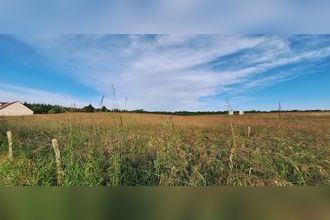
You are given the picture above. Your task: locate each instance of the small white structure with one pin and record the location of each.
(241, 112)
(14, 109)
(230, 112)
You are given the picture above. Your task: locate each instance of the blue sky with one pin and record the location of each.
(168, 72)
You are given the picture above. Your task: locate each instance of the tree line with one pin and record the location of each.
(55, 109)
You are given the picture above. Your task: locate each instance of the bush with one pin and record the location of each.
(88, 108)
(55, 110)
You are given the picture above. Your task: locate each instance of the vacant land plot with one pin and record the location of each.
(144, 149)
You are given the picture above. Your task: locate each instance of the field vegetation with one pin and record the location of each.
(127, 149)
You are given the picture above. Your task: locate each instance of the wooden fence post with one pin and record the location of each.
(249, 131)
(10, 144)
(59, 172)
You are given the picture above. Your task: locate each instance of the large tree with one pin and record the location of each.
(88, 108)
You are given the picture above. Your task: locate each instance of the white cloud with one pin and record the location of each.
(170, 72)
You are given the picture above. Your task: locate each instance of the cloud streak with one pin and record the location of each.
(176, 72)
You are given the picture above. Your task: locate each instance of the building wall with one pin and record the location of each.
(16, 109)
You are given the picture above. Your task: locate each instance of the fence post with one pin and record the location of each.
(58, 162)
(249, 131)
(10, 145)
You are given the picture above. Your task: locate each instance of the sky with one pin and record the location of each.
(164, 16)
(167, 72)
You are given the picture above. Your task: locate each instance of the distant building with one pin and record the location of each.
(14, 109)
(232, 112)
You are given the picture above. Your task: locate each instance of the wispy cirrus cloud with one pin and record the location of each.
(176, 72)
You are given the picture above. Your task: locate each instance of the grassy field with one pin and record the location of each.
(136, 149)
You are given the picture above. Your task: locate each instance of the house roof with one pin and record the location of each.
(6, 104)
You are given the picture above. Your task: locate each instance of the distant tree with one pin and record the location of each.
(138, 111)
(104, 109)
(88, 108)
(115, 110)
(55, 110)
(39, 108)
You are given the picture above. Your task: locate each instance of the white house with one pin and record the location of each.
(14, 109)
(232, 112)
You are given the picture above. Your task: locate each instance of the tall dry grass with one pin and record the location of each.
(143, 149)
